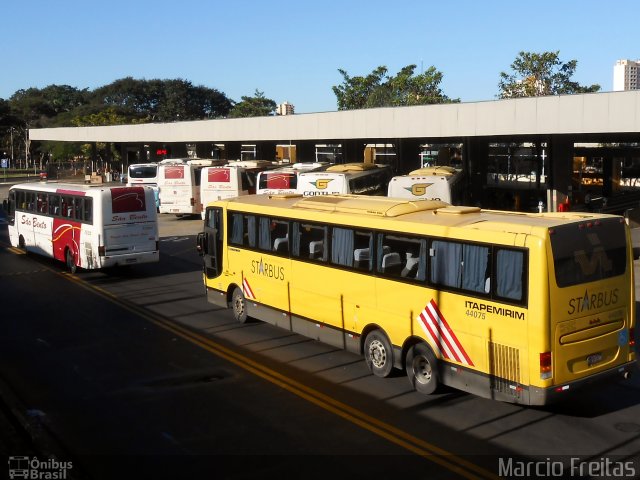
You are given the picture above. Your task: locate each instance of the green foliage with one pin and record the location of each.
(163, 100)
(537, 74)
(256, 106)
(378, 89)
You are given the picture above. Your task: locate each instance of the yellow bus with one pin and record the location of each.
(518, 307)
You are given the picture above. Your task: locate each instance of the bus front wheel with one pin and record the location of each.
(22, 245)
(239, 306)
(70, 261)
(422, 369)
(378, 354)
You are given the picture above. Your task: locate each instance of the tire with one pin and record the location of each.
(422, 369)
(22, 244)
(239, 306)
(70, 261)
(378, 354)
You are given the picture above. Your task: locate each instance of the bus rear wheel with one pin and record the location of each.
(378, 354)
(239, 306)
(422, 369)
(22, 245)
(70, 261)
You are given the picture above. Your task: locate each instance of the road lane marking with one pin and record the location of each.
(387, 431)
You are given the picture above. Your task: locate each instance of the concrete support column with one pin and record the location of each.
(204, 150)
(475, 156)
(353, 151)
(94, 157)
(561, 165)
(266, 151)
(178, 150)
(232, 150)
(408, 153)
(306, 151)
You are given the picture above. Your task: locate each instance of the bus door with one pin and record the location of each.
(43, 224)
(210, 243)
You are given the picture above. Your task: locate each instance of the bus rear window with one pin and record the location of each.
(128, 199)
(589, 251)
(277, 180)
(142, 172)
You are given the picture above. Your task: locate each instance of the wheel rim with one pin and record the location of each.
(377, 354)
(422, 370)
(238, 306)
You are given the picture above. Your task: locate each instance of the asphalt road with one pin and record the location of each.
(133, 372)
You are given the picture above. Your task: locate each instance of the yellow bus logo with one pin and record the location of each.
(418, 189)
(322, 184)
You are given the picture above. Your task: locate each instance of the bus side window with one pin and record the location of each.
(460, 265)
(342, 246)
(54, 204)
(87, 209)
(20, 199)
(41, 203)
(308, 241)
(399, 256)
(280, 236)
(30, 198)
(509, 274)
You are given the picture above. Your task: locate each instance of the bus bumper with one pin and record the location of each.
(134, 259)
(544, 396)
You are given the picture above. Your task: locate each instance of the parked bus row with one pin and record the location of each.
(186, 186)
(517, 307)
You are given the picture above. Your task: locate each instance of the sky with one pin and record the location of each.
(292, 50)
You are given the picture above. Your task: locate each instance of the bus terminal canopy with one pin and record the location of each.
(609, 116)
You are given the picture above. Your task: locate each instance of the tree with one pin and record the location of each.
(537, 74)
(378, 89)
(163, 100)
(256, 106)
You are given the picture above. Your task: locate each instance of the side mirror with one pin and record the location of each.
(200, 243)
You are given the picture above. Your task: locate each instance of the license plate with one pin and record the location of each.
(131, 260)
(593, 359)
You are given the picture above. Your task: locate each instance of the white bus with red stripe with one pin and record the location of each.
(179, 185)
(86, 226)
(231, 180)
(510, 306)
(285, 179)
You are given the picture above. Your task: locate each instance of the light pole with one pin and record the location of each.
(11, 134)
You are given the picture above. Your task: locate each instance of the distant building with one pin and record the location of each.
(285, 108)
(625, 75)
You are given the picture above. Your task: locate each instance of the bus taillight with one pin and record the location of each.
(545, 365)
(632, 338)
(193, 201)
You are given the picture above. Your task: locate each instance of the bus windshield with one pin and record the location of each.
(139, 171)
(589, 251)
